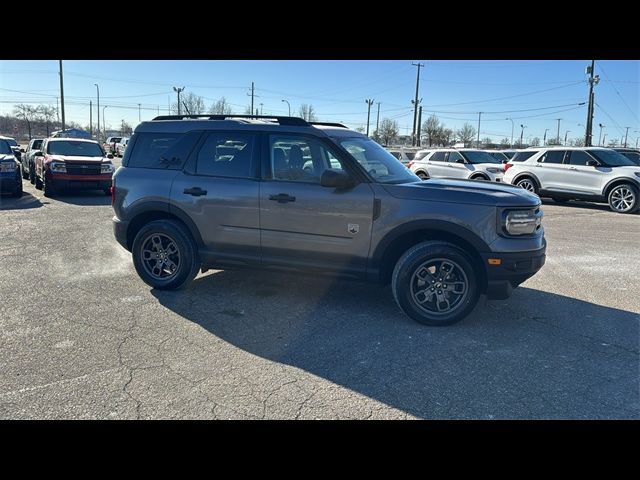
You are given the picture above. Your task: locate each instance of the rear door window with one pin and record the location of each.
(437, 157)
(579, 157)
(227, 154)
(553, 156)
(166, 151)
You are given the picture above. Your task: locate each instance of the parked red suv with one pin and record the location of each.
(72, 163)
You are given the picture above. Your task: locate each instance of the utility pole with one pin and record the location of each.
(626, 134)
(419, 128)
(558, 134)
(593, 80)
(565, 137)
(415, 111)
(178, 91)
(62, 94)
(369, 103)
(378, 121)
(261, 109)
(58, 109)
(600, 137)
(252, 95)
(521, 133)
(478, 140)
(90, 119)
(98, 112)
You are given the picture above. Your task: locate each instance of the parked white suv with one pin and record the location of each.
(458, 163)
(593, 174)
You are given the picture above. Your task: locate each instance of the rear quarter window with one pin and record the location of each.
(166, 151)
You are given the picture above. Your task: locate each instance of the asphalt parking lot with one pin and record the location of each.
(81, 336)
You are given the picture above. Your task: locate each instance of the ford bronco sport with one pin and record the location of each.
(212, 191)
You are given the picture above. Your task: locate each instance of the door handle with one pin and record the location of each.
(282, 198)
(195, 191)
(573, 168)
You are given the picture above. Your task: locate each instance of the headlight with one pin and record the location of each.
(495, 170)
(8, 166)
(106, 168)
(58, 167)
(522, 222)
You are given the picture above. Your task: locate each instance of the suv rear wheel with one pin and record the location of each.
(528, 184)
(435, 284)
(423, 175)
(165, 255)
(624, 198)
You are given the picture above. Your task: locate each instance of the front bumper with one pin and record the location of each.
(79, 182)
(514, 269)
(120, 231)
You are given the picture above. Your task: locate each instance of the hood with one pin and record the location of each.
(7, 156)
(77, 159)
(464, 191)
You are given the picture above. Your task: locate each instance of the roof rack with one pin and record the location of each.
(295, 121)
(329, 124)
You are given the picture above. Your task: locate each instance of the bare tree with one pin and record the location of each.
(535, 142)
(466, 134)
(26, 113)
(431, 128)
(307, 112)
(505, 142)
(221, 107)
(613, 142)
(125, 128)
(191, 104)
(48, 113)
(577, 142)
(388, 131)
(360, 129)
(486, 141)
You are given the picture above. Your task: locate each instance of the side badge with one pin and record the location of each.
(353, 228)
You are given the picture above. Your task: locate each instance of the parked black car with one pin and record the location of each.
(10, 171)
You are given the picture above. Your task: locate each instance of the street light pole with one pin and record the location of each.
(62, 95)
(104, 123)
(261, 109)
(369, 102)
(626, 134)
(98, 111)
(288, 105)
(558, 133)
(139, 114)
(544, 139)
(604, 139)
(522, 133)
(511, 130)
(178, 91)
(600, 137)
(565, 137)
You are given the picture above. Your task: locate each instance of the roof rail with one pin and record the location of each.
(329, 124)
(295, 121)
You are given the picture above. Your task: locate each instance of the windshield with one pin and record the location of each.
(478, 156)
(5, 149)
(501, 157)
(611, 158)
(11, 142)
(633, 156)
(380, 164)
(70, 148)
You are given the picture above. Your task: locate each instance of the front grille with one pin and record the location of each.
(83, 169)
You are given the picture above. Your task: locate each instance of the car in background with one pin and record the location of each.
(14, 146)
(593, 174)
(500, 156)
(27, 159)
(10, 171)
(72, 163)
(110, 143)
(632, 154)
(405, 156)
(509, 153)
(121, 146)
(468, 163)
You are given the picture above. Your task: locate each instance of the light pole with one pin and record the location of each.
(544, 139)
(522, 133)
(565, 137)
(600, 138)
(98, 131)
(261, 109)
(511, 146)
(139, 118)
(626, 134)
(178, 91)
(369, 102)
(288, 105)
(104, 123)
(604, 139)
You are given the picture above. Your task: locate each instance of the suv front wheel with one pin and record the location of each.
(435, 284)
(624, 198)
(165, 255)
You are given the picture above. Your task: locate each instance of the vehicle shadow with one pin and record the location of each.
(537, 355)
(578, 204)
(26, 201)
(83, 198)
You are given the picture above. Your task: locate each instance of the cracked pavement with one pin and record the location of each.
(81, 336)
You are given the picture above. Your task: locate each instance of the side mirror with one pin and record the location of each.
(110, 155)
(335, 179)
(460, 160)
(22, 150)
(505, 161)
(39, 153)
(592, 163)
(539, 160)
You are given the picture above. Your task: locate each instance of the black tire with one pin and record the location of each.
(38, 182)
(624, 198)
(479, 177)
(25, 174)
(32, 174)
(525, 182)
(560, 200)
(412, 262)
(48, 189)
(188, 265)
(423, 175)
(19, 191)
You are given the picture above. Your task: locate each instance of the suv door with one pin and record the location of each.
(581, 177)
(218, 190)
(304, 224)
(457, 169)
(436, 164)
(551, 171)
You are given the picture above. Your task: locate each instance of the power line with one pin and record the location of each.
(621, 99)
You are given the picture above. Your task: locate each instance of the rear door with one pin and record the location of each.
(551, 171)
(457, 166)
(437, 166)
(306, 225)
(218, 190)
(581, 177)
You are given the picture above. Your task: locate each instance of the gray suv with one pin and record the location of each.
(200, 192)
